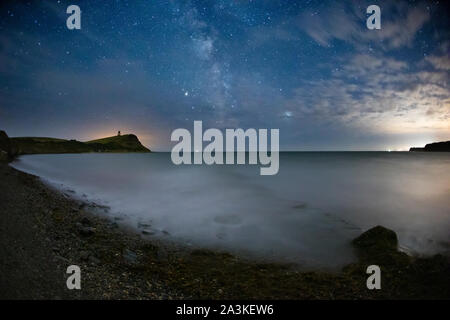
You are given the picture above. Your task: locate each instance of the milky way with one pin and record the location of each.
(310, 68)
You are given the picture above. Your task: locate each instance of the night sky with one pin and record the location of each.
(310, 68)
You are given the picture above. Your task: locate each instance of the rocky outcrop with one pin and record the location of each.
(438, 146)
(375, 239)
(443, 146)
(5, 147)
(379, 246)
(402, 275)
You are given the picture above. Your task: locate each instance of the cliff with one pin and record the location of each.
(5, 146)
(443, 146)
(39, 145)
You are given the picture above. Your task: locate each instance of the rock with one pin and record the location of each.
(129, 256)
(5, 146)
(94, 260)
(377, 238)
(58, 257)
(113, 225)
(84, 255)
(4, 156)
(147, 233)
(379, 246)
(86, 231)
(85, 221)
(142, 225)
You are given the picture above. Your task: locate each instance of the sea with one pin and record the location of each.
(307, 214)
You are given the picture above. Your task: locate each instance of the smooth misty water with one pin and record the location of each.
(308, 213)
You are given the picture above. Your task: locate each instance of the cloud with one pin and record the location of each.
(341, 22)
(439, 62)
(400, 31)
(379, 94)
(332, 23)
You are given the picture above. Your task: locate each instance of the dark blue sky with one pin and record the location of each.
(310, 68)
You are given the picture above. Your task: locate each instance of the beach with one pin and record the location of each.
(43, 231)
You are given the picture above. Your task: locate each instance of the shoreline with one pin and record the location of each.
(43, 232)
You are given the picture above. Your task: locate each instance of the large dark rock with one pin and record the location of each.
(376, 239)
(379, 246)
(5, 146)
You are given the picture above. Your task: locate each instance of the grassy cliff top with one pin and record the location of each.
(38, 139)
(126, 139)
(125, 142)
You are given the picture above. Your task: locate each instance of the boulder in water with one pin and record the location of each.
(376, 239)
